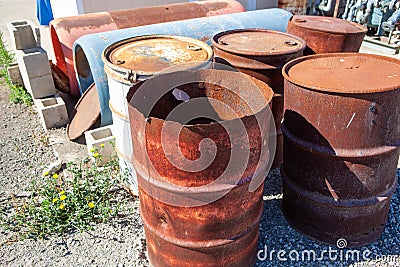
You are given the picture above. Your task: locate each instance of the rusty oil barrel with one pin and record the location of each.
(341, 145)
(183, 229)
(326, 34)
(135, 59)
(261, 54)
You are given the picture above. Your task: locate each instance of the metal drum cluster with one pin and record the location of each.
(333, 112)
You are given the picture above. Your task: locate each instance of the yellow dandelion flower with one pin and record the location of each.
(62, 192)
(102, 145)
(55, 176)
(62, 197)
(45, 174)
(55, 200)
(62, 206)
(96, 155)
(91, 205)
(92, 150)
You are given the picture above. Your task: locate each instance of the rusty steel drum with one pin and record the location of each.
(261, 54)
(134, 59)
(341, 145)
(326, 34)
(222, 232)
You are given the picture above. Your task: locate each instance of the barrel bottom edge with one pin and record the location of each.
(238, 253)
(359, 226)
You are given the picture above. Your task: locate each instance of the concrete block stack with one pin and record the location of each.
(34, 68)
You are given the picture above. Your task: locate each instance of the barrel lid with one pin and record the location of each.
(86, 113)
(258, 42)
(327, 24)
(344, 72)
(151, 54)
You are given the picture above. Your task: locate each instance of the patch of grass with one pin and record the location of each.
(60, 206)
(18, 94)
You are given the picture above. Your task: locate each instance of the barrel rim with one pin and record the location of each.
(293, 62)
(117, 72)
(361, 28)
(269, 93)
(216, 37)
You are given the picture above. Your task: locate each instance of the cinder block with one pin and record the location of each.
(52, 112)
(34, 62)
(40, 87)
(15, 74)
(36, 72)
(22, 36)
(100, 139)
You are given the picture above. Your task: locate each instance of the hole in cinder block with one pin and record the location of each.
(33, 50)
(104, 133)
(49, 102)
(19, 23)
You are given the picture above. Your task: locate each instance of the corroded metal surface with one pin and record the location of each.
(326, 34)
(257, 48)
(342, 136)
(139, 58)
(217, 233)
(65, 31)
(85, 114)
(261, 54)
(152, 54)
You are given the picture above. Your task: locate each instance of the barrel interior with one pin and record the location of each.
(83, 69)
(229, 101)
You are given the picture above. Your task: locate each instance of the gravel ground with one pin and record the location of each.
(24, 153)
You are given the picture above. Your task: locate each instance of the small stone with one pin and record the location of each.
(52, 168)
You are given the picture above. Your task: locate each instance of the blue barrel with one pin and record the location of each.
(43, 12)
(87, 49)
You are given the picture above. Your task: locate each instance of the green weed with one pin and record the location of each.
(18, 94)
(60, 206)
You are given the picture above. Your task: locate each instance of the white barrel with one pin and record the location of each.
(136, 59)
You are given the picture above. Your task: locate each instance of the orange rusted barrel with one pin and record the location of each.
(201, 164)
(326, 34)
(65, 31)
(261, 54)
(341, 145)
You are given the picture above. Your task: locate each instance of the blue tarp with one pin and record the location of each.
(43, 11)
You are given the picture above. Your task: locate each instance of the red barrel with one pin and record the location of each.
(65, 31)
(341, 145)
(326, 34)
(261, 54)
(211, 216)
